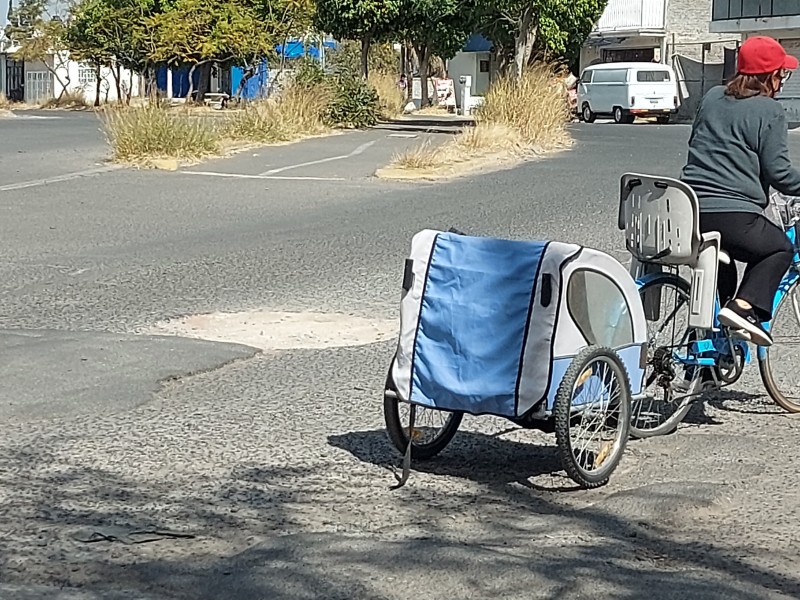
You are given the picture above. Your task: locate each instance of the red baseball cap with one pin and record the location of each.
(761, 54)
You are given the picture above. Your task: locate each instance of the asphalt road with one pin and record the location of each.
(39, 144)
(277, 463)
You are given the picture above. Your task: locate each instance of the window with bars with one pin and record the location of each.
(86, 75)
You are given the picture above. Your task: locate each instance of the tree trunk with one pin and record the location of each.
(410, 70)
(366, 41)
(204, 81)
(129, 90)
(526, 37)
(151, 86)
(63, 83)
(423, 54)
(191, 83)
(97, 73)
(247, 74)
(117, 73)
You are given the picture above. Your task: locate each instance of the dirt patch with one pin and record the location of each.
(482, 164)
(6, 114)
(270, 330)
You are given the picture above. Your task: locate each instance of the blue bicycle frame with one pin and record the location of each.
(707, 352)
(792, 275)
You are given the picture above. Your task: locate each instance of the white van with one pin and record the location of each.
(628, 90)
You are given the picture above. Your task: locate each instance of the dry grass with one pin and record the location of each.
(476, 147)
(436, 109)
(149, 133)
(5, 103)
(535, 105)
(391, 100)
(299, 112)
(70, 99)
(152, 132)
(519, 117)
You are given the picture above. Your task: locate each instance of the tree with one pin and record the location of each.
(566, 26)
(367, 21)
(554, 27)
(40, 37)
(120, 29)
(88, 42)
(436, 28)
(199, 32)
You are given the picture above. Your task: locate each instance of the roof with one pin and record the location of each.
(476, 43)
(631, 65)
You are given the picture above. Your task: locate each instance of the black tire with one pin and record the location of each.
(674, 411)
(587, 114)
(620, 116)
(397, 430)
(566, 419)
(770, 355)
(663, 119)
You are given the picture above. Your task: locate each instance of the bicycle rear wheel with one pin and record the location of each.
(669, 386)
(779, 363)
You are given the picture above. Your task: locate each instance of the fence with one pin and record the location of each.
(38, 86)
(700, 66)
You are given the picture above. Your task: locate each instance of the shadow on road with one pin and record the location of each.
(518, 541)
(477, 457)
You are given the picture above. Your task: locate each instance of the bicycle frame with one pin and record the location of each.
(715, 342)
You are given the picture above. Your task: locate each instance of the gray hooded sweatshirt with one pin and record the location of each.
(737, 150)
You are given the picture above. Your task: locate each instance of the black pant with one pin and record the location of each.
(752, 239)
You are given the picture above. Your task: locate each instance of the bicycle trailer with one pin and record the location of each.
(533, 331)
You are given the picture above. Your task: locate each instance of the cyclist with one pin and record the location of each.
(737, 150)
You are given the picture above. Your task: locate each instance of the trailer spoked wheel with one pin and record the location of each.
(592, 414)
(433, 429)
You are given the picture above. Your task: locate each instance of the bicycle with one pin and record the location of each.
(660, 217)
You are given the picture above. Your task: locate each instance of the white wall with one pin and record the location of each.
(82, 79)
(633, 15)
(468, 63)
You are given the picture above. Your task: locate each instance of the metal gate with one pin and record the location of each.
(15, 83)
(38, 86)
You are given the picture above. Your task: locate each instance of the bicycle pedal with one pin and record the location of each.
(739, 334)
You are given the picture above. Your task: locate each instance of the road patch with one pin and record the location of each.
(268, 330)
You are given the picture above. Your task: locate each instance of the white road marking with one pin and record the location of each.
(57, 179)
(356, 152)
(402, 135)
(264, 177)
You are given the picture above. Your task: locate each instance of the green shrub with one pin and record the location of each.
(355, 103)
(309, 74)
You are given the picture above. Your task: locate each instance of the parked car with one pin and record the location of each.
(625, 91)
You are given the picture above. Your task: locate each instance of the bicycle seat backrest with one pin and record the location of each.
(660, 217)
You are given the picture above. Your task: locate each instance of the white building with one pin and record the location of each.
(36, 82)
(628, 31)
(779, 19)
(647, 30)
(675, 32)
